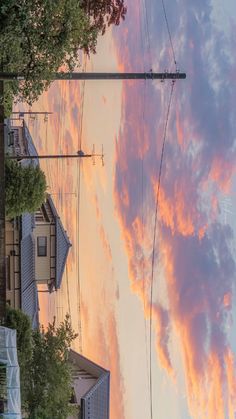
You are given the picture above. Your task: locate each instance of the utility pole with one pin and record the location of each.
(80, 154)
(22, 113)
(52, 156)
(103, 76)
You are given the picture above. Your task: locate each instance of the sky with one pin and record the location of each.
(108, 283)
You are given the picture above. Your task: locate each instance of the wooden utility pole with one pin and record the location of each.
(79, 155)
(31, 113)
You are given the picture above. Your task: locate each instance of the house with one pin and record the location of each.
(91, 388)
(37, 245)
(19, 142)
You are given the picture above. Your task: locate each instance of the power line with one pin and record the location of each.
(78, 216)
(154, 244)
(147, 30)
(169, 33)
(142, 194)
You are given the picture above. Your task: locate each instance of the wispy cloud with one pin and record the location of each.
(193, 248)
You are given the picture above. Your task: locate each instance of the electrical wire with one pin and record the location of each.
(142, 194)
(78, 215)
(147, 30)
(154, 244)
(169, 34)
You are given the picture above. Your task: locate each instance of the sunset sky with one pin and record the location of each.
(194, 308)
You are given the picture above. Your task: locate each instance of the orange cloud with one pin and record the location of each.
(179, 131)
(174, 212)
(221, 173)
(209, 368)
(105, 243)
(199, 289)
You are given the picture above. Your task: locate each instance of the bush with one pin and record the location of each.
(25, 188)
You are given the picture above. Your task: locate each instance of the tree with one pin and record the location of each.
(103, 13)
(25, 188)
(46, 387)
(49, 384)
(42, 36)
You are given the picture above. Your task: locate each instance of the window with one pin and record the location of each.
(42, 246)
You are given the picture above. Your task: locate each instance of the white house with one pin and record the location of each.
(91, 388)
(37, 244)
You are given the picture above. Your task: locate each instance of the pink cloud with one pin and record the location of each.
(193, 248)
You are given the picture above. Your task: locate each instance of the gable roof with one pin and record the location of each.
(63, 244)
(95, 403)
(29, 292)
(31, 149)
(62, 241)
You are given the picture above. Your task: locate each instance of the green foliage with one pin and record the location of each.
(46, 374)
(104, 13)
(7, 99)
(41, 36)
(49, 387)
(25, 188)
(16, 319)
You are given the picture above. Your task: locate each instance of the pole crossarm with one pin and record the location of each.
(103, 76)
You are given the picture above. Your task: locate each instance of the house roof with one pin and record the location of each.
(27, 224)
(31, 149)
(62, 241)
(95, 403)
(29, 293)
(62, 244)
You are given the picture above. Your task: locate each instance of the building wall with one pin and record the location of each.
(85, 374)
(13, 293)
(82, 386)
(42, 263)
(19, 146)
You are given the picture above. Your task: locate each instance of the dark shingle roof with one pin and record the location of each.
(29, 293)
(62, 244)
(31, 149)
(27, 224)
